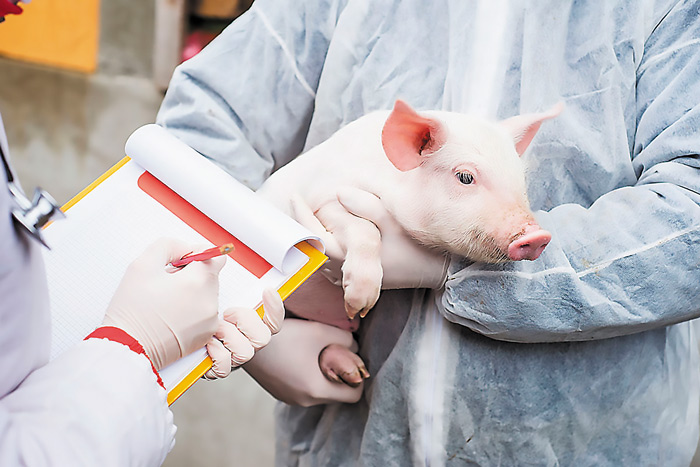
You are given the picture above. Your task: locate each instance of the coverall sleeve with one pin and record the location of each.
(79, 410)
(631, 261)
(247, 99)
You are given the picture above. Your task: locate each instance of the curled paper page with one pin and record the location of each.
(217, 194)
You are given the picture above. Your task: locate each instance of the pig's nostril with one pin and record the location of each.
(529, 246)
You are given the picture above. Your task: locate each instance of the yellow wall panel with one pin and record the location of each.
(59, 33)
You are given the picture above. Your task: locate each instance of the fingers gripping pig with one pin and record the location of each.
(453, 181)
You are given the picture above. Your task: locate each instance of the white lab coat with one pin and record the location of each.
(96, 405)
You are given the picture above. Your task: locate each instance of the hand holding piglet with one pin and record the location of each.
(401, 191)
(406, 264)
(455, 183)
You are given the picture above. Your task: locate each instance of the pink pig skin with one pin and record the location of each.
(319, 300)
(412, 161)
(454, 182)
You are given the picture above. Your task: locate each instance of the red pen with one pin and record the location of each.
(203, 256)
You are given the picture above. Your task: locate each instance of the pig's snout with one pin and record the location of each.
(530, 244)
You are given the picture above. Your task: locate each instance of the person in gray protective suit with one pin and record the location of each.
(586, 356)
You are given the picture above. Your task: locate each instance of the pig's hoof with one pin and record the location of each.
(361, 291)
(340, 365)
(359, 301)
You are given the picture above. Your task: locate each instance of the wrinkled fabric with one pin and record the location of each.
(583, 357)
(97, 404)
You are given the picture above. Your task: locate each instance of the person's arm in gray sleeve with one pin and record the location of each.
(631, 261)
(246, 100)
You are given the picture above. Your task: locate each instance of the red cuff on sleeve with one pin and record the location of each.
(119, 335)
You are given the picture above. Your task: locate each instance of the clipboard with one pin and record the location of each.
(164, 188)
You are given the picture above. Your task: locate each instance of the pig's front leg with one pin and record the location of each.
(362, 267)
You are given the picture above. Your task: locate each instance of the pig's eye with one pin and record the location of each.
(465, 178)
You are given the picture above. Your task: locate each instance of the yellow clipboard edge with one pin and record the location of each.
(316, 259)
(74, 200)
(189, 380)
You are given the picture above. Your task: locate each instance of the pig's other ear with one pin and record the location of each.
(523, 128)
(408, 136)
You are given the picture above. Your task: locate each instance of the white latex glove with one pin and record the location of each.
(406, 264)
(289, 369)
(241, 333)
(169, 312)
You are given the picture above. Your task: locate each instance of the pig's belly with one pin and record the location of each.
(319, 300)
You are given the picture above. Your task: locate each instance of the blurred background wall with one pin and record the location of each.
(76, 78)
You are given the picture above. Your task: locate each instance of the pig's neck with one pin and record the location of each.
(404, 197)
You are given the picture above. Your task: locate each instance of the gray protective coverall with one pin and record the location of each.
(583, 357)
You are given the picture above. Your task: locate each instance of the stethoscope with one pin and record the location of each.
(33, 215)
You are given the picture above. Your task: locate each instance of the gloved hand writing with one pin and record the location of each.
(405, 263)
(170, 313)
(241, 333)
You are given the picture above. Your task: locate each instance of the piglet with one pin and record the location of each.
(453, 181)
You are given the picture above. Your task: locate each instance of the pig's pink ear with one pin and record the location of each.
(523, 128)
(408, 136)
